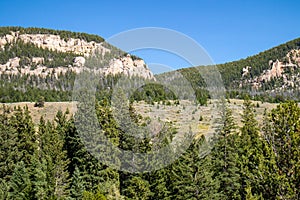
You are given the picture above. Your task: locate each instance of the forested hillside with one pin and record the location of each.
(232, 71)
(49, 69)
(37, 63)
(16, 87)
(249, 76)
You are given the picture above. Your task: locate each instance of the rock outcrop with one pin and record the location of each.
(124, 65)
(277, 69)
(54, 42)
(246, 71)
(120, 65)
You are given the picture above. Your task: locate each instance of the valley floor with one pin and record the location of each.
(186, 115)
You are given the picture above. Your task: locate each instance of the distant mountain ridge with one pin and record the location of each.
(43, 62)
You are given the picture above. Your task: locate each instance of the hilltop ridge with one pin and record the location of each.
(45, 52)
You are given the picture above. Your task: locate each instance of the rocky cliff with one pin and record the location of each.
(285, 70)
(36, 66)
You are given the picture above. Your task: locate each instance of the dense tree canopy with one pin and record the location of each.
(51, 161)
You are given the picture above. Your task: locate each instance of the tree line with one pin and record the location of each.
(63, 34)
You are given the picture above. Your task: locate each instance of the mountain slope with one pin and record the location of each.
(38, 62)
(32, 47)
(274, 72)
(43, 62)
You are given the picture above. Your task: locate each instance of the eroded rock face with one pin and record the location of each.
(14, 62)
(122, 65)
(79, 61)
(130, 67)
(116, 66)
(54, 42)
(246, 71)
(277, 70)
(38, 60)
(294, 56)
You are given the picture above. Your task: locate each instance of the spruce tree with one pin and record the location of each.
(269, 169)
(190, 177)
(51, 147)
(160, 179)
(22, 122)
(135, 187)
(9, 153)
(77, 185)
(251, 155)
(39, 180)
(224, 158)
(283, 135)
(20, 186)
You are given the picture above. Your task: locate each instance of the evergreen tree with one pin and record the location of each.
(20, 186)
(189, 176)
(22, 122)
(77, 185)
(39, 180)
(160, 179)
(9, 154)
(268, 169)
(97, 195)
(135, 187)
(251, 155)
(51, 146)
(92, 171)
(224, 157)
(282, 134)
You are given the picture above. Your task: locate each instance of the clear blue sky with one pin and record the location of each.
(228, 29)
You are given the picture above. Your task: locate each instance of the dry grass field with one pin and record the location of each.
(199, 119)
(186, 116)
(48, 111)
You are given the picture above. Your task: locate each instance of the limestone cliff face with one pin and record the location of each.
(278, 69)
(126, 65)
(121, 65)
(54, 42)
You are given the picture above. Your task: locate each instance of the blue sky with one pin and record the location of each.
(228, 30)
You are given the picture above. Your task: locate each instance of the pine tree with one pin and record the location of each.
(77, 185)
(51, 147)
(92, 171)
(190, 177)
(97, 195)
(20, 186)
(18, 146)
(224, 158)
(282, 134)
(135, 187)
(39, 180)
(134, 139)
(9, 154)
(22, 122)
(208, 187)
(268, 169)
(250, 151)
(160, 179)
